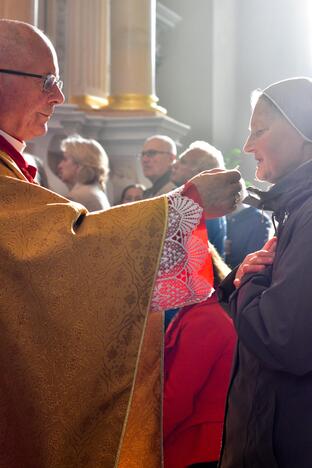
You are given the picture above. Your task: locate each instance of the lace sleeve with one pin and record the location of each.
(184, 255)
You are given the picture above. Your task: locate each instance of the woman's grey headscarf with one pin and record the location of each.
(293, 98)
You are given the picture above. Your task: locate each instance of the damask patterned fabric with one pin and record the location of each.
(75, 291)
(71, 348)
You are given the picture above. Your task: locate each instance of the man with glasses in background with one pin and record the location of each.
(157, 157)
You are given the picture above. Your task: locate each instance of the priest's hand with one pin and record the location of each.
(220, 191)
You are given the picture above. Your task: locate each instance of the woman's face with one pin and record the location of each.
(68, 170)
(276, 145)
(133, 194)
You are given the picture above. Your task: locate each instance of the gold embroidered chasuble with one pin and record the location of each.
(75, 292)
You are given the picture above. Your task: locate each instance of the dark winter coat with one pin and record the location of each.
(269, 407)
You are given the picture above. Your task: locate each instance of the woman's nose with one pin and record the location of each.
(248, 146)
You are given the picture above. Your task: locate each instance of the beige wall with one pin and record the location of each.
(184, 78)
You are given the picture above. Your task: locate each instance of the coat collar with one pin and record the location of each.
(285, 194)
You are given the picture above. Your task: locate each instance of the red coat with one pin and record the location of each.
(199, 346)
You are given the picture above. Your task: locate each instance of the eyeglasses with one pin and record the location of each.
(48, 80)
(152, 153)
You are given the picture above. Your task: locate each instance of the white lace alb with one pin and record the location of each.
(178, 282)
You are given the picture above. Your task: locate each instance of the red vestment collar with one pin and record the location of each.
(28, 170)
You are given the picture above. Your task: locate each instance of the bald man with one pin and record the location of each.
(76, 288)
(201, 156)
(157, 157)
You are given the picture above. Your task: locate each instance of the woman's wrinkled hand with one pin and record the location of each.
(256, 261)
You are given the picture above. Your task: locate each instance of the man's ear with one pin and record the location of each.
(173, 158)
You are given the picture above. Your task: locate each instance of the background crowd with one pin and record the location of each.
(84, 168)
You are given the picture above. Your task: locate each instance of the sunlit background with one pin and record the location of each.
(207, 57)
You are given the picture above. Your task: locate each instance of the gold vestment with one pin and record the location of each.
(75, 292)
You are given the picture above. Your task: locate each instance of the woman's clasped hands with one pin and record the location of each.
(256, 261)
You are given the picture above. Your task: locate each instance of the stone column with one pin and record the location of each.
(87, 46)
(133, 45)
(23, 10)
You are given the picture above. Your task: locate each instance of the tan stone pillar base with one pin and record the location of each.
(86, 101)
(133, 101)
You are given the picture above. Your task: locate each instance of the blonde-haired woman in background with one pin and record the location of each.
(84, 169)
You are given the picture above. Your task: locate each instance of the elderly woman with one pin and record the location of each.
(84, 169)
(269, 411)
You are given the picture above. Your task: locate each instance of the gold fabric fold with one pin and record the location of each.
(74, 296)
(141, 445)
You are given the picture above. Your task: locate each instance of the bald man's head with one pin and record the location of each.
(26, 104)
(200, 156)
(158, 154)
(18, 41)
